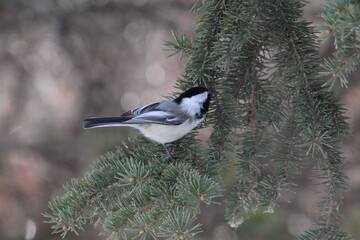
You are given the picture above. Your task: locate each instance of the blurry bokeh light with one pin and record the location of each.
(155, 74)
(130, 100)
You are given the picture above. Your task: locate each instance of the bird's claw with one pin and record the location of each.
(169, 155)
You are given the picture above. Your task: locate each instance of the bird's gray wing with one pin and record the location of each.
(140, 110)
(157, 117)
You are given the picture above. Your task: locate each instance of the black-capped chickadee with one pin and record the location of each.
(162, 122)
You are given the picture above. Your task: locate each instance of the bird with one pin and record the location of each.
(162, 122)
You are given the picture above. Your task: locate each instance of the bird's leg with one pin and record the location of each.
(169, 155)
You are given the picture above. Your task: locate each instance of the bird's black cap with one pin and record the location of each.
(191, 92)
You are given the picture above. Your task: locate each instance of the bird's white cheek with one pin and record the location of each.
(191, 107)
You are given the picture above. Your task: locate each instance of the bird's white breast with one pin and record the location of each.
(168, 133)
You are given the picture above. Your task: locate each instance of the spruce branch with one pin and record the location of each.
(131, 192)
(319, 131)
(181, 45)
(287, 163)
(342, 21)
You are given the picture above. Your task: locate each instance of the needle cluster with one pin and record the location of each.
(342, 22)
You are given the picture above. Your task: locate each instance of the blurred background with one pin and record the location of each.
(65, 60)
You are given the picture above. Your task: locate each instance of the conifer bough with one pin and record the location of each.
(342, 21)
(270, 117)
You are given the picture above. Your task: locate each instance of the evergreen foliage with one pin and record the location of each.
(342, 22)
(270, 116)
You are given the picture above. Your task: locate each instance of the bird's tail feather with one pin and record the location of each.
(105, 122)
